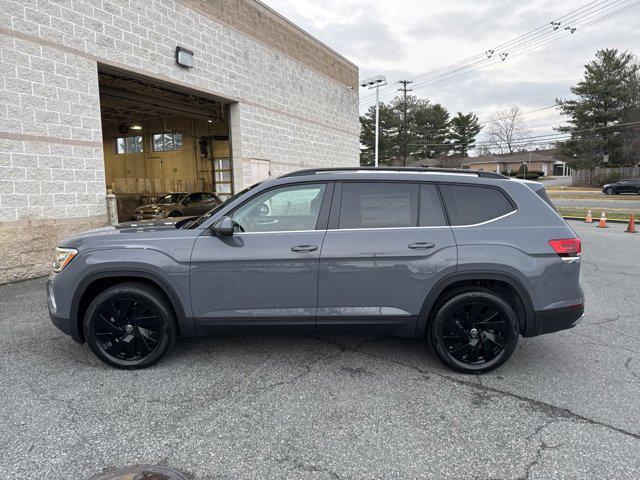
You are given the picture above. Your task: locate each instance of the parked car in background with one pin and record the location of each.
(470, 260)
(178, 204)
(628, 185)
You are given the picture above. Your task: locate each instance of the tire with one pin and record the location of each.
(609, 191)
(130, 325)
(458, 337)
(175, 213)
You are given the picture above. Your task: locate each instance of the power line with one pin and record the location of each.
(482, 65)
(522, 44)
(526, 50)
(521, 37)
(520, 41)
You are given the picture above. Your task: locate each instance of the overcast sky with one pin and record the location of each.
(407, 38)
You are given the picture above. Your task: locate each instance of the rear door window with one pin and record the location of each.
(431, 213)
(379, 205)
(473, 204)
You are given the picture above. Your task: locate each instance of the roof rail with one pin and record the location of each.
(319, 171)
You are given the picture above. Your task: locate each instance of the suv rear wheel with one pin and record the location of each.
(130, 325)
(474, 330)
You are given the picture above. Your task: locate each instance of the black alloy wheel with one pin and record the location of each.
(475, 331)
(130, 325)
(608, 191)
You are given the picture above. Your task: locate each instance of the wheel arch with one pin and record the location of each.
(99, 281)
(480, 278)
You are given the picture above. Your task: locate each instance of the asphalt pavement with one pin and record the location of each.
(566, 406)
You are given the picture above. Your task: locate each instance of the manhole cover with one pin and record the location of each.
(142, 472)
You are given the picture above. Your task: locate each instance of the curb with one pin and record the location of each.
(609, 220)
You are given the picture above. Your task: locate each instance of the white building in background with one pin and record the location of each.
(93, 98)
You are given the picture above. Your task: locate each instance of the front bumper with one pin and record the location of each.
(62, 322)
(550, 321)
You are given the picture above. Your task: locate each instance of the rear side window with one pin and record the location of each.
(542, 193)
(471, 204)
(379, 205)
(431, 214)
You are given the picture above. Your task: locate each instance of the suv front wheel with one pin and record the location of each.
(130, 325)
(474, 330)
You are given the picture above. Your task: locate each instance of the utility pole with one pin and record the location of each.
(404, 90)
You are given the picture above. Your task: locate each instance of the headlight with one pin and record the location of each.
(62, 258)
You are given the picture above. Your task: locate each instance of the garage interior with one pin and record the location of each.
(159, 139)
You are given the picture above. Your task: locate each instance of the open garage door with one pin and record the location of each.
(159, 139)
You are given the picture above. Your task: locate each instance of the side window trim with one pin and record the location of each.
(321, 223)
(491, 220)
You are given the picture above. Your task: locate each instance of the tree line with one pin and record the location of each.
(602, 126)
(427, 131)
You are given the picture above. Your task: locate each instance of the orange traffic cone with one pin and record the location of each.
(589, 218)
(603, 221)
(632, 225)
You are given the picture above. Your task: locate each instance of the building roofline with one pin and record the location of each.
(303, 31)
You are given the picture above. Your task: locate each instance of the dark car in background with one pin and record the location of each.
(627, 185)
(178, 204)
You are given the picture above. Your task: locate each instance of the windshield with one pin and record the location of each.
(200, 220)
(170, 198)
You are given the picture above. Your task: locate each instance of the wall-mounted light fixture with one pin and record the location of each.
(184, 57)
(136, 127)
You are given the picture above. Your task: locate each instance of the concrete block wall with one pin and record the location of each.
(297, 101)
(50, 133)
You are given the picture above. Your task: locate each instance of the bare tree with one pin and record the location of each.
(507, 129)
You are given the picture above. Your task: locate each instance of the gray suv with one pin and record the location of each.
(470, 260)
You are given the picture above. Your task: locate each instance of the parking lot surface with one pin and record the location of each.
(302, 407)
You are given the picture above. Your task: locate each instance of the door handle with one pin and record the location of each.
(421, 245)
(304, 248)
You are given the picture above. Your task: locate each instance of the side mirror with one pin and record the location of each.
(223, 227)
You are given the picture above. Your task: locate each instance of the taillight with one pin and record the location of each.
(567, 247)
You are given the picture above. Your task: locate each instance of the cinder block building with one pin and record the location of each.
(144, 97)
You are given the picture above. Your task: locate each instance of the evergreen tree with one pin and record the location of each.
(607, 98)
(430, 131)
(463, 132)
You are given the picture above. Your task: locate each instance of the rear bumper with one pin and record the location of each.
(549, 321)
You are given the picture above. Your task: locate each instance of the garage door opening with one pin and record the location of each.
(159, 139)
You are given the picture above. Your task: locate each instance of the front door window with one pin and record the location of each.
(287, 209)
